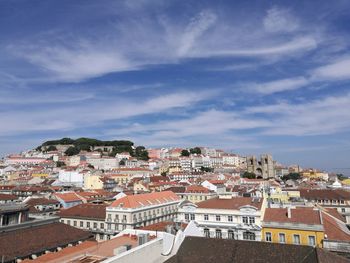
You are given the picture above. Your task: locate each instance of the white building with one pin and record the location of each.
(133, 211)
(106, 163)
(225, 217)
(230, 159)
(71, 177)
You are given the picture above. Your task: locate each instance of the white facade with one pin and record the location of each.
(241, 224)
(103, 163)
(71, 177)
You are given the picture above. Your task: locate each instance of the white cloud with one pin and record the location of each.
(135, 43)
(319, 117)
(280, 20)
(299, 44)
(278, 85)
(75, 63)
(338, 70)
(59, 118)
(195, 29)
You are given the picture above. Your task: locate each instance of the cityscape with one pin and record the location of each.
(172, 131)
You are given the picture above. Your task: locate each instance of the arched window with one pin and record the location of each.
(231, 234)
(248, 235)
(218, 233)
(206, 232)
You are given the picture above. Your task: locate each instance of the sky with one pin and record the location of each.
(249, 77)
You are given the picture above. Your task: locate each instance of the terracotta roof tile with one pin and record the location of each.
(232, 203)
(304, 215)
(140, 200)
(85, 211)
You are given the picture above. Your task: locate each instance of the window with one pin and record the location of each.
(282, 238)
(230, 234)
(245, 219)
(229, 218)
(124, 217)
(187, 216)
(268, 237)
(206, 217)
(95, 225)
(206, 232)
(192, 217)
(251, 220)
(296, 239)
(68, 222)
(343, 210)
(312, 241)
(102, 225)
(87, 224)
(218, 233)
(75, 223)
(81, 224)
(218, 218)
(248, 235)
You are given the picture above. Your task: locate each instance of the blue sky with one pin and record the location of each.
(251, 77)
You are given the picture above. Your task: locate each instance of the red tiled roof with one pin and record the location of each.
(337, 194)
(196, 189)
(85, 211)
(68, 197)
(304, 215)
(233, 203)
(7, 197)
(25, 242)
(136, 201)
(335, 230)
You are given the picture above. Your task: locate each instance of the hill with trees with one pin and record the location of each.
(88, 144)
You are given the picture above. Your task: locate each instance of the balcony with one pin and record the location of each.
(336, 246)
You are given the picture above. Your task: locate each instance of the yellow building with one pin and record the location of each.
(299, 226)
(283, 196)
(120, 178)
(40, 175)
(93, 182)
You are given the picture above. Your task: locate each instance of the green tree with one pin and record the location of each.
(51, 148)
(72, 150)
(291, 176)
(249, 175)
(185, 153)
(122, 162)
(195, 150)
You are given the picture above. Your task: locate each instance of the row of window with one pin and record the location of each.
(230, 234)
(326, 201)
(81, 224)
(245, 219)
(296, 238)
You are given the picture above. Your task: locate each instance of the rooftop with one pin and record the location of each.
(231, 203)
(141, 200)
(85, 211)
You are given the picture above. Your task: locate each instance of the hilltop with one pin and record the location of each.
(89, 144)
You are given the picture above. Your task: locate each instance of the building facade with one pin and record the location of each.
(225, 217)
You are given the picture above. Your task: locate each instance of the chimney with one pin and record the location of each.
(289, 212)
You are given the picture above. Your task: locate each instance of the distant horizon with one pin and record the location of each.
(339, 170)
(251, 76)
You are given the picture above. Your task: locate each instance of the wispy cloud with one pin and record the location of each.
(280, 20)
(83, 115)
(277, 85)
(318, 117)
(337, 70)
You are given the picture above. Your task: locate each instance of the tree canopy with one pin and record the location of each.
(291, 176)
(195, 150)
(249, 175)
(185, 153)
